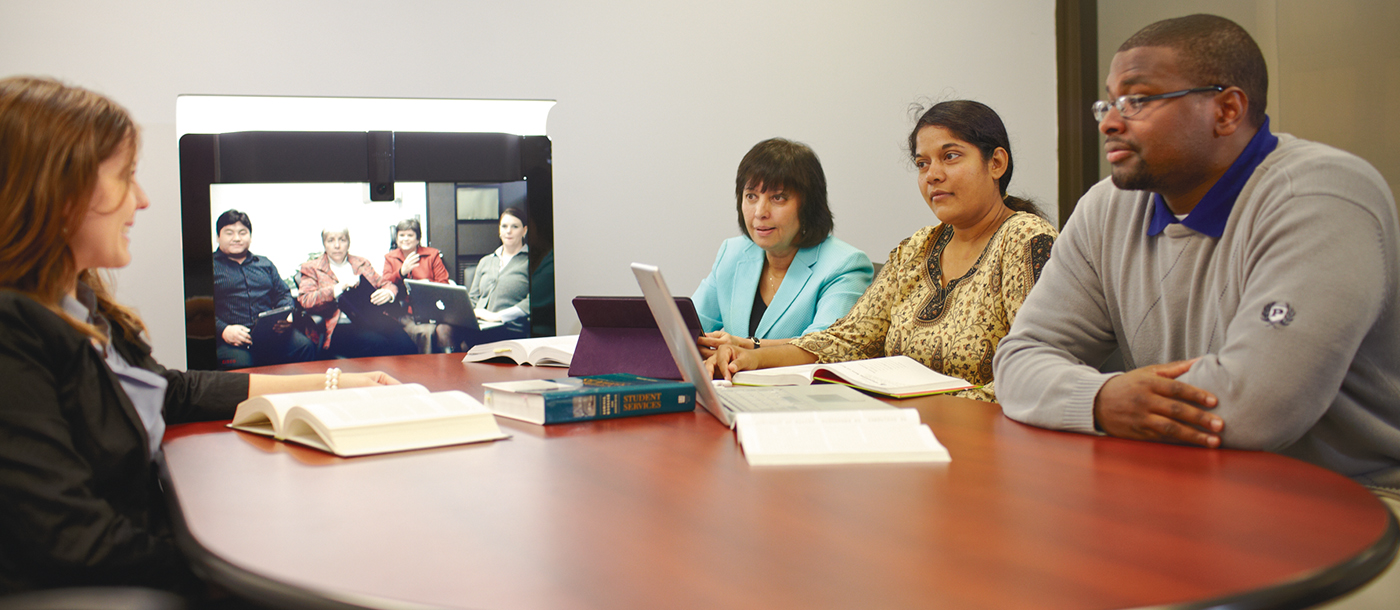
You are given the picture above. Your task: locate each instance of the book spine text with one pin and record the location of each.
(622, 401)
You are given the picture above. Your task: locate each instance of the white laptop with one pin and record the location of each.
(724, 402)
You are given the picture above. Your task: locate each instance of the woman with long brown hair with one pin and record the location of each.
(85, 405)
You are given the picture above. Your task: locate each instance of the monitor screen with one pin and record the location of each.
(336, 218)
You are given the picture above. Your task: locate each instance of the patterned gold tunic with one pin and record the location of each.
(953, 329)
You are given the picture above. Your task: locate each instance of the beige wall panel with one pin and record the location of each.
(1334, 66)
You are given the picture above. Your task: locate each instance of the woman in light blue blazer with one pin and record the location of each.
(786, 275)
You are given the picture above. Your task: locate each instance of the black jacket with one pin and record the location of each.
(79, 501)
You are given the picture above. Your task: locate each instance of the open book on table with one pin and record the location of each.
(539, 351)
(362, 421)
(894, 376)
(837, 437)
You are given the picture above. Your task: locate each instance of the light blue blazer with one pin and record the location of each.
(821, 285)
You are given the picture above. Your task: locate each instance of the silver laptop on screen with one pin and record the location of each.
(440, 304)
(435, 303)
(724, 402)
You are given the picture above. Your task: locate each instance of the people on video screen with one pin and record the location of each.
(500, 290)
(330, 288)
(411, 260)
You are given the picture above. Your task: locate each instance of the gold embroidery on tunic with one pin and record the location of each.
(953, 329)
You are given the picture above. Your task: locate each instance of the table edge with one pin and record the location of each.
(1305, 591)
(255, 587)
(1315, 587)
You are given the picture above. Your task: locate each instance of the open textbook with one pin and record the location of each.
(539, 351)
(895, 376)
(837, 437)
(362, 421)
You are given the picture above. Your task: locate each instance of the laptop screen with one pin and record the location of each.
(679, 340)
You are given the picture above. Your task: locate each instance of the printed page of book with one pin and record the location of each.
(252, 418)
(778, 418)
(377, 411)
(535, 386)
(498, 349)
(259, 416)
(800, 374)
(837, 437)
(552, 351)
(894, 374)
(525, 350)
(401, 424)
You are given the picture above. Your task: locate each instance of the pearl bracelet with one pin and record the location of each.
(332, 378)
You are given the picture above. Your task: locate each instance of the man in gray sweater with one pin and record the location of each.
(1248, 279)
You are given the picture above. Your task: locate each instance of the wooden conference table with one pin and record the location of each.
(664, 512)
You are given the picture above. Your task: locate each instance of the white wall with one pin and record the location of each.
(657, 103)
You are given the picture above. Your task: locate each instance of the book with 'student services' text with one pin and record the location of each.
(362, 421)
(572, 399)
(894, 376)
(538, 351)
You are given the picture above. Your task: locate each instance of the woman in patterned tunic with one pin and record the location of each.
(950, 292)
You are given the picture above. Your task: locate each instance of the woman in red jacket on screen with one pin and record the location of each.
(327, 281)
(411, 260)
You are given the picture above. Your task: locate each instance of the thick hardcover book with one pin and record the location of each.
(572, 399)
(362, 421)
(537, 351)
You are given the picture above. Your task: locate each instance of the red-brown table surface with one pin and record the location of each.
(663, 512)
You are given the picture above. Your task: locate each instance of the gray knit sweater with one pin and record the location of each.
(1293, 311)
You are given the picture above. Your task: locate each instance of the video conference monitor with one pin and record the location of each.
(296, 187)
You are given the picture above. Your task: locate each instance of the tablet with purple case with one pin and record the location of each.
(619, 335)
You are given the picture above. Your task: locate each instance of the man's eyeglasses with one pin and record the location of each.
(1129, 105)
